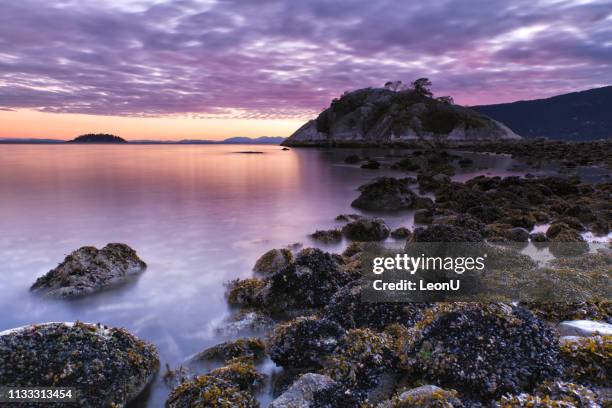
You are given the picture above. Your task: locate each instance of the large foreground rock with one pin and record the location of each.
(484, 351)
(89, 269)
(108, 366)
(377, 116)
(366, 229)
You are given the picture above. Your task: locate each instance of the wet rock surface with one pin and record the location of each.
(303, 392)
(108, 366)
(366, 229)
(385, 194)
(88, 270)
(273, 260)
(209, 391)
(425, 396)
(482, 350)
(251, 348)
(304, 342)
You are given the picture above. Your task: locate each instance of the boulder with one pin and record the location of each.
(88, 270)
(385, 194)
(553, 394)
(273, 260)
(352, 159)
(303, 392)
(241, 373)
(304, 342)
(308, 282)
(482, 350)
(108, 366)
(366, 229)
(518, 234)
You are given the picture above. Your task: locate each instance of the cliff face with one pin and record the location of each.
(379, 116)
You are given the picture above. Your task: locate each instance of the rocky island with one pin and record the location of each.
(98, 138)
(397, 114)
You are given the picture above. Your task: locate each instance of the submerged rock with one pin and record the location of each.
(484, 351)
(304, 342)
(366, 229)
(89, 269)
(352, 159)
(108, 366)
(371, 165)
(385, 194)
(273, 260)
(445, 233)
(207, 391)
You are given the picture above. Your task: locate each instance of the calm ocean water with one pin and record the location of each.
(198, 215)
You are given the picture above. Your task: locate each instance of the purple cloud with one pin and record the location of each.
(272, 59)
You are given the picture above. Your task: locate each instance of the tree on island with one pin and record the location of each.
(98, 138)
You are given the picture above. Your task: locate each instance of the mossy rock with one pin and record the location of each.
(426, 396)
(273, 260)
(241, 373)
(210, 392)
(361, 358)
(553, 395)
(482, 350)
(304, 342)
(251, 348)
(245, 292)
(589, 359)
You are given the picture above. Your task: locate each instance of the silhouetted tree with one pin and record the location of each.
(446, 99)
(395, 86)
(422, 87)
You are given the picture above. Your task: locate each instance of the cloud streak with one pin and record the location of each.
(286, 59)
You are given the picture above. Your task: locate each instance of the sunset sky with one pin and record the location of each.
(161, 69)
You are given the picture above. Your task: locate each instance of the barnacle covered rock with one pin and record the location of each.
(361, 358)
(252, 348)
(386, 194)
(108, 366)
(89, 269)
(327, 236)
(309, 282)
(350, 312)
(242, 373)
(553, 395)
(304, 342)
(210, 392)
(589, 359)
(595, 309)
(366, 229)
(245, 292)
(425, 396)
(484, 350)
(273, 260)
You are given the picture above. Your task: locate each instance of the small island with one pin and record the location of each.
(98, 138)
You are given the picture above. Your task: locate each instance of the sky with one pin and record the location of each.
(162, 69)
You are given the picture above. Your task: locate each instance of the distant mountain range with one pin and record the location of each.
(232, 140)
(585, 115)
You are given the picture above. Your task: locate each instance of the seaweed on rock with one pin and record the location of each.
(210, 392)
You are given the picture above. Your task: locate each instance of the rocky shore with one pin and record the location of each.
(334, 350)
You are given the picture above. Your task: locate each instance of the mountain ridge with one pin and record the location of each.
(575, 116)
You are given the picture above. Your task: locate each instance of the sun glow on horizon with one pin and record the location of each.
(25, 123)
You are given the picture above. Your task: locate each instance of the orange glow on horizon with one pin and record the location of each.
(42, 125)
